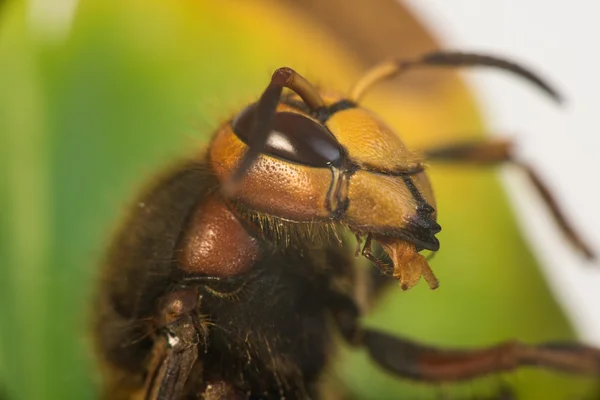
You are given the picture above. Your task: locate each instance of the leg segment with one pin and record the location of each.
(497, 151)
(420, 362)
(425, 363)
(175, 348)
(367, 253)
(170, 367)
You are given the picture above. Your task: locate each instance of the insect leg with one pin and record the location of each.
(432, 364)
(421, 362)
(498, 151)
(170, 368)
(367, 252)
(175, 348)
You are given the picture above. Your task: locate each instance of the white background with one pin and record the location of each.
(560, 40)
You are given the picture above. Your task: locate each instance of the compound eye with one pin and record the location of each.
(294, 137)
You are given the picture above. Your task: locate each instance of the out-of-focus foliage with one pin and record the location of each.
(84, 121)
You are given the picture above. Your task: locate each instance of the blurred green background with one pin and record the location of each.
(91, 107)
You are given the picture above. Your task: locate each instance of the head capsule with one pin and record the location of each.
(344, 164)
(336, 162)
(317, 157)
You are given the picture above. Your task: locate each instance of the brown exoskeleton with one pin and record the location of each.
(223, 280)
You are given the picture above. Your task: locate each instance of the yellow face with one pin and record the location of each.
(343, 165)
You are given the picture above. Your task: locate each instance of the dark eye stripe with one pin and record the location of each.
(294, 137)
